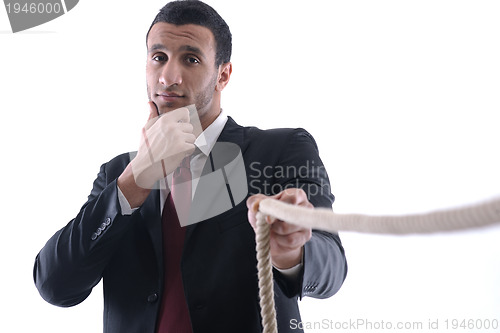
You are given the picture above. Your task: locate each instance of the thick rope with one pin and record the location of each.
(265, 275)
(472, 216)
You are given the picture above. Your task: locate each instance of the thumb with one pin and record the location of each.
(153, 115)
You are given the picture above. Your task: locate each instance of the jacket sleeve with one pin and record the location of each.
(324, 262)
(73, 260)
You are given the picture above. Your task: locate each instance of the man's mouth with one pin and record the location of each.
(169, 96)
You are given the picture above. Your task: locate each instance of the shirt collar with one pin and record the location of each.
(207, 139)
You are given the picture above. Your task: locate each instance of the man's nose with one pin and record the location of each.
(171, 74)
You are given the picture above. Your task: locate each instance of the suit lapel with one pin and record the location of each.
(233, 133)
(150, 212)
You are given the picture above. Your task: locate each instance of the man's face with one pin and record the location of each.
(181, 70)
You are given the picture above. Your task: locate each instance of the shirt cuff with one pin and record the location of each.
(292, 272)
(124, 205)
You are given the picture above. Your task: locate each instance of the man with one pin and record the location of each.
(159, 276)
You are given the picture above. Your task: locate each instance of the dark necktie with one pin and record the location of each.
(174, 313)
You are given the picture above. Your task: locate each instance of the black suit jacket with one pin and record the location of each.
(218, 263)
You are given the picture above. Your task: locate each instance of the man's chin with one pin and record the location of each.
(164, 107)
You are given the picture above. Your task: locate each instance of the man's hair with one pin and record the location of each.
(182, 12)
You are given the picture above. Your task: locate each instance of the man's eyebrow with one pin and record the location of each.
(184, 48)
(156, 47)
(192, 49)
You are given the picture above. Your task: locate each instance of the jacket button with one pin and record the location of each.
(152, 298)
(107, 221)
(94, 236)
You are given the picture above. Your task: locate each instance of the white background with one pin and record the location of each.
(401, 96)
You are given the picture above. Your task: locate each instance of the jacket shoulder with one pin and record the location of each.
(114, 167)
(277, 136)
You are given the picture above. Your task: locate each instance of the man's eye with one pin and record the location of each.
(159, 58)
(192, 60)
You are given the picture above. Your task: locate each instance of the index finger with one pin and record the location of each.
(153, 115)
(294, 196)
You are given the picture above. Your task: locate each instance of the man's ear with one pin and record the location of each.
(225, 71)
